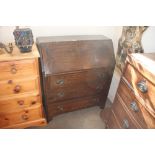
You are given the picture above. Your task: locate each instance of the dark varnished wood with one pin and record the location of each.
(78, 84)
(71, 105)
(74, 68)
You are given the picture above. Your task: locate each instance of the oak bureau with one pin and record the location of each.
(76, 71)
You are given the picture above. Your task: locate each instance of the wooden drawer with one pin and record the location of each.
(70, 105)
(142, 87)
(122, 116)
(19, 86)
(14, 69)
(149, 119)
(131, 104)
(79, 84)
(113, 122)
(29, 114)
(19, 103)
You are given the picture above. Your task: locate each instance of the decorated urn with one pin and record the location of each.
(23, 39)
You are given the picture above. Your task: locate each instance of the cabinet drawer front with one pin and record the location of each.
(149, 119)
(70, 105)
(8, 119)
(122, 115)
(12, 87)
(60, 87)
(113, 122)
(131, 104)
(14, 69)
(9, 105)
(142, 87)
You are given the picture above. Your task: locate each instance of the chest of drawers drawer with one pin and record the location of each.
(18, 86)
(130, 102)
(79, 84)
(17, 117)
(19, 103)
(122, 115)
(142, 87)
(18, 69)
(74, 104)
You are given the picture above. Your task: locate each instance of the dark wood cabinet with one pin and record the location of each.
(76, 71)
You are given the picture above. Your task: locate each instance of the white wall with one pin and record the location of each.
(113, 32)
(6, 32)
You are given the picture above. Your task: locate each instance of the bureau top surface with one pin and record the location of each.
(143, 60)
(17, 55)
(69, 56)
(70, 38)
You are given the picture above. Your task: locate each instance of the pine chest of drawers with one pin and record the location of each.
(134, 104)
(20, 94)
(76, 71)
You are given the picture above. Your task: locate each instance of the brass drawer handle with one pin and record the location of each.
(134, 106)
(60, 108)
(17, 89)
(142, 86)
(125, 124)
(102, 76)
(96, 100)
(13, 70)
(99, 87)
(25, 117)
(21, 102)
(60, 82)
(61, 94)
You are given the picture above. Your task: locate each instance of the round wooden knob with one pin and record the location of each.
(33, 102)
(21, 102)
(10, 82)
(17, 89)
(13, 70)
(25, 117)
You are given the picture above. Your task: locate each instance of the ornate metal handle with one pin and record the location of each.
(142, 86)
(17, 89)
(99, 87)
(60, 82)
(60, 108)
(25, 117)
(21, 102)
(102, 75)
(61, 94)
(125, 124)
(96, 100)
(134, 106)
